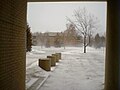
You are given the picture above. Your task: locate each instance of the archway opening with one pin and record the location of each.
(90, 64)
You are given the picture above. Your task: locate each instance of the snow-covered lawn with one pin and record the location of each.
(76, 70)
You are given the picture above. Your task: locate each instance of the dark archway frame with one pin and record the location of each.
(112, 45)
(13, 51)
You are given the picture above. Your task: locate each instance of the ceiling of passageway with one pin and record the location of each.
(60, 0)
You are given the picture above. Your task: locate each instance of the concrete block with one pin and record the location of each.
(53, 60)
(59, 55)
(45, 64)
(56, 56)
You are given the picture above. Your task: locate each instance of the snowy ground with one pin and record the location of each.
(33, 72)
(76, 70)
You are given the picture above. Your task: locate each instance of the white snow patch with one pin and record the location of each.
(37, 51)
(76, 70)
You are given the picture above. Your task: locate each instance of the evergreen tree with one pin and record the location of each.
(28, 39)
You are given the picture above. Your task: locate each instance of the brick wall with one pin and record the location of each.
(12, 44)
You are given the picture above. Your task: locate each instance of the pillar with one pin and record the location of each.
(12, 44)
(45, 64)
(112, 53)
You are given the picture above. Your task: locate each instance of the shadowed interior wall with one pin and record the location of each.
(112, 47)
(12, 44)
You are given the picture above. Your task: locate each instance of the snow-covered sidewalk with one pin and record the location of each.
(35, 76)
(77, 71)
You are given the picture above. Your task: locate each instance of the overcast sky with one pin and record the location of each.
(43, 17)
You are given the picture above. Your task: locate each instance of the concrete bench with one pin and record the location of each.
(59, 55)
(56, 56)
(45, 64)
(53, 60)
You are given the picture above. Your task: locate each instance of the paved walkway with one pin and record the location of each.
(77, 72)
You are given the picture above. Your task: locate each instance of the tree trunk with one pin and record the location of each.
(84, 44)
(84, 49)
(89, 42)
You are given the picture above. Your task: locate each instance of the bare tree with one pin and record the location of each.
(39, 38)
(71, 35)
(85, 23)
(67, 34)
